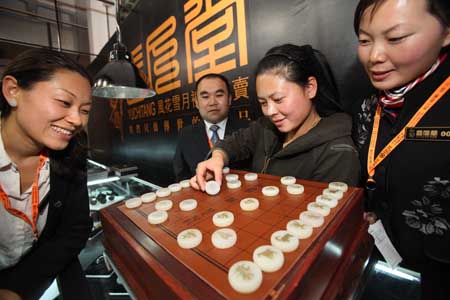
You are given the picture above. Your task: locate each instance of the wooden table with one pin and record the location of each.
(331, 268)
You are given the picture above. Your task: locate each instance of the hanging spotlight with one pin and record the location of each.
(119, 78)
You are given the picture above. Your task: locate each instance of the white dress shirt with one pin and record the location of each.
(221, 131)
(16, 236)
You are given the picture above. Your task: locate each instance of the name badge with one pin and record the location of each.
(432, 134)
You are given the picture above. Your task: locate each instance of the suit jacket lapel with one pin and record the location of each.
(200, 136)
(58, 192)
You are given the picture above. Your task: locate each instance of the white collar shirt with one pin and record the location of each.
(221, 131)
(16, 236)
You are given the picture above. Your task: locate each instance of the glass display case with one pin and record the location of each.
(107, 186)
(113, 189)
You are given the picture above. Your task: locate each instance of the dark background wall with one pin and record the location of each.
(173, 43)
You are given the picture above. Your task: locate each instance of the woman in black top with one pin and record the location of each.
(404, 48)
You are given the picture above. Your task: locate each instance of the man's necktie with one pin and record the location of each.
(214, 136)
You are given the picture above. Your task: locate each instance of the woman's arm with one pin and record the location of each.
(338, 162)
(238, 146)
(242, 143)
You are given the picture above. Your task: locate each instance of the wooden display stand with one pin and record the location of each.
(328, 265)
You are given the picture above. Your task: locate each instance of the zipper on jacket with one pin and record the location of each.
(266, 164)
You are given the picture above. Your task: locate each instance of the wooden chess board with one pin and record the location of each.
(253, 229)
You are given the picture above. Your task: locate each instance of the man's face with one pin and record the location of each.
(213, 100)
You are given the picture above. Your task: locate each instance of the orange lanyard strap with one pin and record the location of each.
(209, 142)
(34, 199)
(373, 162)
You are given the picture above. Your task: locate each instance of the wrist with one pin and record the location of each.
(220, 154)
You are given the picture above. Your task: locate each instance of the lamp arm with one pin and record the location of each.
(119, 34)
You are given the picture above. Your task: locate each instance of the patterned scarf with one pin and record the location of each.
(392, 100)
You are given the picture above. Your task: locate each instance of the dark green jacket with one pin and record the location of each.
(326, 153)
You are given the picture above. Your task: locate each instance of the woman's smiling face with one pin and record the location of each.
(52, 112)
(287, 104)
(399, 41)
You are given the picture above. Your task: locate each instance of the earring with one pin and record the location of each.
(12, 102)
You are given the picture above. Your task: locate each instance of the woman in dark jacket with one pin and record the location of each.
(405, 138)
(303, 132)
(44, 209)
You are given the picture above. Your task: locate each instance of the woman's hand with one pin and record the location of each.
(8, 295)
(211, 168)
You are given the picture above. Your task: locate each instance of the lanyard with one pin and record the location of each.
(373, 162)
(209, 142)
(34, 199)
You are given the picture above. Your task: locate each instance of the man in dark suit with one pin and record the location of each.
(194, 141)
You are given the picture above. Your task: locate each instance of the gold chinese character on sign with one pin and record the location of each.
(162, 65)
(185, 101)
(166, 125)
(176, 102)
(426, 133)
(146, 128)
(138, 128)
(193, 98)
(161, 107)
(434, 134)
(137, 57)
(179, 124)
(195, 119)
(243, 114)
(215, 36)
(240, 87)
(419, 133)
(155, 126)
(168, 105)
(116, 115)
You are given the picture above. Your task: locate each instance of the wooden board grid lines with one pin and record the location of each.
(253, 229)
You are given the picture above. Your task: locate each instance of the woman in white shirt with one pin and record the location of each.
(44, 209)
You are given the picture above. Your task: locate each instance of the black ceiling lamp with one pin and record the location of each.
(119, 78)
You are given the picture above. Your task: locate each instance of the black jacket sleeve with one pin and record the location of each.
(180, 166)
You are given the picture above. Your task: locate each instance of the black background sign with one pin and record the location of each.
(175, 42)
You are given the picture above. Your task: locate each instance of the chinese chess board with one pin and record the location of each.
(253, 228)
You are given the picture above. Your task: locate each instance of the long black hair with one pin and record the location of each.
(296, 64)
(37, 65)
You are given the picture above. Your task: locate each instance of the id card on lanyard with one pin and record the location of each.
(372, 161)
(34, 199)
(382, 241)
